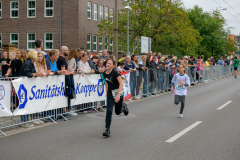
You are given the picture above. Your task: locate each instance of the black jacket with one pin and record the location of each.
(69, 87)
(28, 68)
(93, 66)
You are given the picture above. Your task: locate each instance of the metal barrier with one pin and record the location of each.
(142, 84)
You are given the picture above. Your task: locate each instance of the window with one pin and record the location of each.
(100, 44)
(106, 13)
(106, 43)
(95, 43)
(89, 42)
(48, 41)
(111, 44)
(89, 9)
(31, 37)
(14, 38)
(0, 10)
(95, 12)
(0, 40)
(101, 13)
(48, 8)
(14, 9)
(31, 9)
(111, 15)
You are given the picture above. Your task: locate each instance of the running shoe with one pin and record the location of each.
(106, 133)
(126, 111)
(180, 116)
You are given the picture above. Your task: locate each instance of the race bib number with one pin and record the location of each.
(180, 86)
(115, 92)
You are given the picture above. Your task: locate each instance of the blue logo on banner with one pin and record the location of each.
(2, 92)
(99, 88)
(22, 95)
(1, 106)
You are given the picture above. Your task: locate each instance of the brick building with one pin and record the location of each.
(57, 22)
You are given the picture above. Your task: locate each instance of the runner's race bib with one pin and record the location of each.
(115, 92)
(180, 86)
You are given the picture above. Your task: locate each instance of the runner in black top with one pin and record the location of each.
(114, 85)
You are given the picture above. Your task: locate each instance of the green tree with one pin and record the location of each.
(166, 22)
(210, 26)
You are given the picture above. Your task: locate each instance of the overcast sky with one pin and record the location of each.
(232, 17)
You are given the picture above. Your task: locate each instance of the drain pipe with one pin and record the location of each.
(60, 24)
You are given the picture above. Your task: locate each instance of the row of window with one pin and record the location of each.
(31, 9)
(98, 46)
(31, 38)
(48, 41)
(95, 9)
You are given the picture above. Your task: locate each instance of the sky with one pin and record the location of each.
(232, 14)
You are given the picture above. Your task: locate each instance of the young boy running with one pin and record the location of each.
(180, 81)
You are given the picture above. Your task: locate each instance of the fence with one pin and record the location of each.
(142, 84)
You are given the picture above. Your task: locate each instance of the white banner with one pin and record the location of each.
(88, 89)
(42, 94)
(126, 85)
(5, 95)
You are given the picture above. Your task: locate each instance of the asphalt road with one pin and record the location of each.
(143, 135)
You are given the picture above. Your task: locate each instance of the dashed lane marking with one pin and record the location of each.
(183, 132)
(224, 105)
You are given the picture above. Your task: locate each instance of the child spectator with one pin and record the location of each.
(121, 66)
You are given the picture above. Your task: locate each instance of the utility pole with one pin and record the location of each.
(128, 29)
(116, 30)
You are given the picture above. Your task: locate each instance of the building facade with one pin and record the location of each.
(57, 22)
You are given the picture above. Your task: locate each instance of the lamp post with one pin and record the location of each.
(128, 8)
(116, 30)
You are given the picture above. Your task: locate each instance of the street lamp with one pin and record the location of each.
(128, 8)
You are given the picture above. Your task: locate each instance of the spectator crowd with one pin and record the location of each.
(152, 69)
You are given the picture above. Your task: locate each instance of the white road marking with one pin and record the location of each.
(224, 105)
(183, 132)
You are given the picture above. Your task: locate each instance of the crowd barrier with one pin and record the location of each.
(141, 83)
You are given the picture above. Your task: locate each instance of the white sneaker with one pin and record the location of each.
(134, 98)
(72, 113)
(27, 125)
(180, 116)
(36, 122)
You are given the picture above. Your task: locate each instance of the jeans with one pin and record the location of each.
(139, 82)
(132, 83)
(181, 99)
(160, 83)
(145, 83)
(24, 118)
(110, 104)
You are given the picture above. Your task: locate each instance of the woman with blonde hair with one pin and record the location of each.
(40, 64)
(16, 64)
(28, 68)
(162, 59)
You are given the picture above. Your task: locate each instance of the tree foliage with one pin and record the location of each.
(173, 29)
(210, 26)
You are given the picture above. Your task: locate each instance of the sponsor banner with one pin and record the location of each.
(5, 94)
(88, 89)
(126, 85)
(41, 94)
